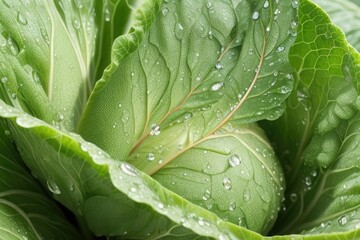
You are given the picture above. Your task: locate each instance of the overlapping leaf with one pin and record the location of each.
(346, 15)
(314, 134)
(26, 212)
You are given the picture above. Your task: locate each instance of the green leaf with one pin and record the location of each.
(113, 18)
(180, 76)
(45, 56)
(112, 196)
(313, 135)
(26, 212)
(346, 15)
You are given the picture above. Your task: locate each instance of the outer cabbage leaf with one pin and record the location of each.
(26, 212)
(113, 197)
(346, 15)
(48, 60)
(314, 135)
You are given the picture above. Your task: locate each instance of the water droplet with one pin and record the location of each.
(293, 24)
(125, 118)
(107, 14)
(14, 48)
(342, 220)
(188, 115)
(21, 19)
(179, 31)
(280, 49)
(227, 183)
(164, 11)
(247, 195)
(295, 3)
(72, 187)
(293, 197)
(76, 23)
(256, 15)
(13, 95)
(60, 117)
(210, 35)
(160, 205)
(232, 206)
(36, 77)
(308, 181)
(53, 187)
(150, 157)
(78, 3)
(4, 80)
(219, 66)
(234, 160)
(128, 169)
(217, 86)
(207, 195)
(7, 132)
(155, 130)
(133, 189)
(266, 4)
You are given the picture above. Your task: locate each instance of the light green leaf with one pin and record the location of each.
(224, 170)
(26, 212)
(346, 15)
(51, 53)
(184, 72)
(112, 196)
(313, 135)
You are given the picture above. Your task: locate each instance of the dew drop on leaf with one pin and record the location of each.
(234, 160)
(76, 23)
(207, 195)
(217, 86)
(247, 195)
(188, 115)
(342, 220)
(14, 48)
(78, 3)
(308, 181)
(227, 183)
(53, 187)
(293, 197)
(4, 80)
(256, 15)
(295, 3)
(179, 31)
(21, 19)
(125, 118)
(164, 11)
(210, 34)
(219, 65)
(266, 4)
(155, 130)
(280, 49)
(107, 14)
(232, 206)
(129, 170)
(150, 157)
